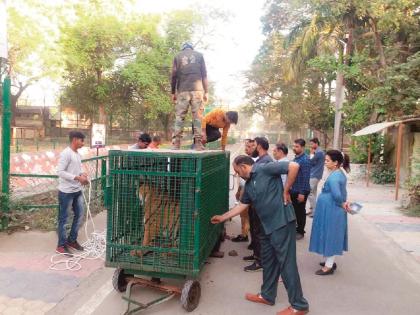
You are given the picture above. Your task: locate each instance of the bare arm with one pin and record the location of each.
(291, 177)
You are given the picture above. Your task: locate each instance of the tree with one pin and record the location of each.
(32, 53)
(369, 46)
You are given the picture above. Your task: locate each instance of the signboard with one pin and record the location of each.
(3, 30)
(98, 135)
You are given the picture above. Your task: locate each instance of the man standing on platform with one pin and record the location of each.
(189, 88)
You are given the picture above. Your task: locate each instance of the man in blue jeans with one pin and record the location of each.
(70, 181)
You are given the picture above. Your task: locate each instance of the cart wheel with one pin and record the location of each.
(119, 280)
(190, 295)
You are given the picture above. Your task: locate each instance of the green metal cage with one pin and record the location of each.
(160, 207)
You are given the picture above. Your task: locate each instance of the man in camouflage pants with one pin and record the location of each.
(189, 86)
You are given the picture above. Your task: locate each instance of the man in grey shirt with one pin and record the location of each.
(70, 181)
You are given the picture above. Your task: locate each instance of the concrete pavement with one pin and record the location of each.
(379, 275)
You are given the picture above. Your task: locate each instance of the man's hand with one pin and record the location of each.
(217, 219)
(206, 97)
(82, 179)
(173, 97)
(301, 198)
(204, 137)
(286, 198)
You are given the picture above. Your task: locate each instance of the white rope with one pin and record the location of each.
(93, 248)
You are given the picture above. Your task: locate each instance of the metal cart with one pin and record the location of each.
(159, 215)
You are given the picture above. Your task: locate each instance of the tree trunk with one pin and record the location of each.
(378, 43)
(102, 114)
(14, 99)
(329, 91)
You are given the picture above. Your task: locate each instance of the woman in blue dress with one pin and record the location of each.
(329, 227)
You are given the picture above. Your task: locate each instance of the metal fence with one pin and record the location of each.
(33, 198)
(19, 145)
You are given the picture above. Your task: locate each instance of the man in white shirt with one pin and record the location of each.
(280, 154)
(70, 181)
(245, 225)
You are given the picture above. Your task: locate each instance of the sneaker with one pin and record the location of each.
(75, 245)
(250, 246)
(240, 238)
(254, 267)
(299, 236)
(249, 258)
(63, 250)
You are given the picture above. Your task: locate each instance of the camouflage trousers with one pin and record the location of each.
(183, 101)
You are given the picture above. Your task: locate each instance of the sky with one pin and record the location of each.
(232, 49)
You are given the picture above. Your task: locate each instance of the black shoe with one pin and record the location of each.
(250, 246)
(217, 254)
(321, 272)
(334, 267)
(240, 238)
(299, 236)
(254, 267)
(156, 280)
(249, 258)
(75, 245)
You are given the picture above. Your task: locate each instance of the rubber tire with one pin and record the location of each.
(190, 295)
(119, 280)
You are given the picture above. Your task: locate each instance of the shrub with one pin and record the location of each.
(383, 174)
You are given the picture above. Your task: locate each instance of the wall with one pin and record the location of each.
(409, 131)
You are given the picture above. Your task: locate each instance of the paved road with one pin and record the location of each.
(375, 277)
(380, 274)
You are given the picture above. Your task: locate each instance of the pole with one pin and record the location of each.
(369, 161)
(5, 159)
(397, 168)
(339, 96)
(339, 99)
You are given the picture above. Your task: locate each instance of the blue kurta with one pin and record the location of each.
(329, 227)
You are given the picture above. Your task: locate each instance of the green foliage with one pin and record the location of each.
(374, 44)
(121, 63)
(383, 174)
(360, 145)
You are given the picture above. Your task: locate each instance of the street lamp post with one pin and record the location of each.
(339, 99)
